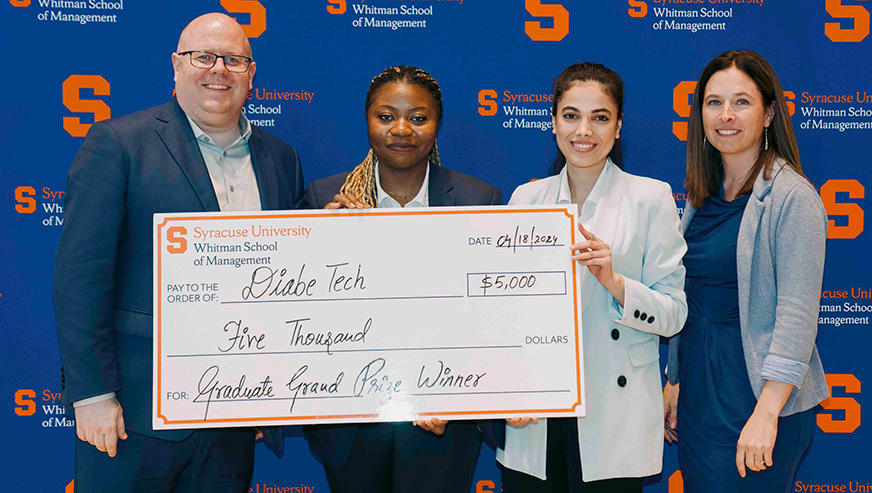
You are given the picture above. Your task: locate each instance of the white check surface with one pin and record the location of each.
(358, 316)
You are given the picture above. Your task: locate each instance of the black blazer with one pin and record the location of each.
(128, 169)
(332, 443)
(447, 187)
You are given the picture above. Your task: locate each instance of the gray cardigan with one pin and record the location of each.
(780, 262)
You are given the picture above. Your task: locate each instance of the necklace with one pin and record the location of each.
(400, 196)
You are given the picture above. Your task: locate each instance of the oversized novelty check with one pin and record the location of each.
(359, 316)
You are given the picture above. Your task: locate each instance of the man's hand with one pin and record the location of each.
(101, 424)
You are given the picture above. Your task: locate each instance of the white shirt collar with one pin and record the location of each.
(244, 131)
(422, 199)
(564, 196)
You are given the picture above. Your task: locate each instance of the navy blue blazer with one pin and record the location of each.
(332, 443)
(128, 169)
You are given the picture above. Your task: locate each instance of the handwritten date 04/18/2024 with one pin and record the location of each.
(522, 239)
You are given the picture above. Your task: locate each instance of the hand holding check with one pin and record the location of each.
(595, 254)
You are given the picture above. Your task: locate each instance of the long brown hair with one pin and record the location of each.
(705, 171)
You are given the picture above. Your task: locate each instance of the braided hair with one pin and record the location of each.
(361, 181)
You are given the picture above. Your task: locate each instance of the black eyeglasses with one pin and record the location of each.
(206, 60)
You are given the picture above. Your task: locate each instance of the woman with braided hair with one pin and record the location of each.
(401, 169)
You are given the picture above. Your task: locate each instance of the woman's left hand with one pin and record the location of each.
(596, 255)
(757, 439)
(756, 442)
(435, 426)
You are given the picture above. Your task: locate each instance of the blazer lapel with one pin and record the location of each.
(440, 187)
(177, 136)
(745, 250)
(264, 172)
(604, 223)
(754, 210)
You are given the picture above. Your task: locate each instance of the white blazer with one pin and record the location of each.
(622, 433)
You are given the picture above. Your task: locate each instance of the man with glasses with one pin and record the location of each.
(195, 153)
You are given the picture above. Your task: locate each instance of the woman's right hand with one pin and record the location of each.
(521, 421)
(346, 201)
(670, 412)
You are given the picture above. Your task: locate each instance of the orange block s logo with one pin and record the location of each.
(20, 3)
(640, 10)
(676, 482)
(26, 203)
(681, 105)
(487, 100)
(176, 239)
(336, 7)
(254, 9)
(485, 486)
(73, 124)
(834, 30)
(854, 212)
(789, 98)
(26, 405)
(556, 11)
(848, 404)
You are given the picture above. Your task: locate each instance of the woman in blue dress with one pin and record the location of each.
(746, 363)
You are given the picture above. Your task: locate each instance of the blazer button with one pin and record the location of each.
(622, 381)
(636, 314)
(650, 320)
(644, 316)
(616, 334)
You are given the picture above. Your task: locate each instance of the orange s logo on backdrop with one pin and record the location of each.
(24, 196)
(25, 402)
(487, 99)
(555, 11)
(681, 97)
(638, 8)
(849, 405)
(855, 190)
(256, 12)
(838, 10)
(676, 482)
(336, 7)
(486, 486)
(72, 100)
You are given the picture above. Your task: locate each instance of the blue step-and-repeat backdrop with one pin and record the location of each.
(67, 64)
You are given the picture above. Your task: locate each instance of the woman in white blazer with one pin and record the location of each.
(631, 294)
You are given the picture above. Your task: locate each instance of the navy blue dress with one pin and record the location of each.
(715, 398)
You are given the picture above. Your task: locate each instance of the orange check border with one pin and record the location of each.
(159, 243)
